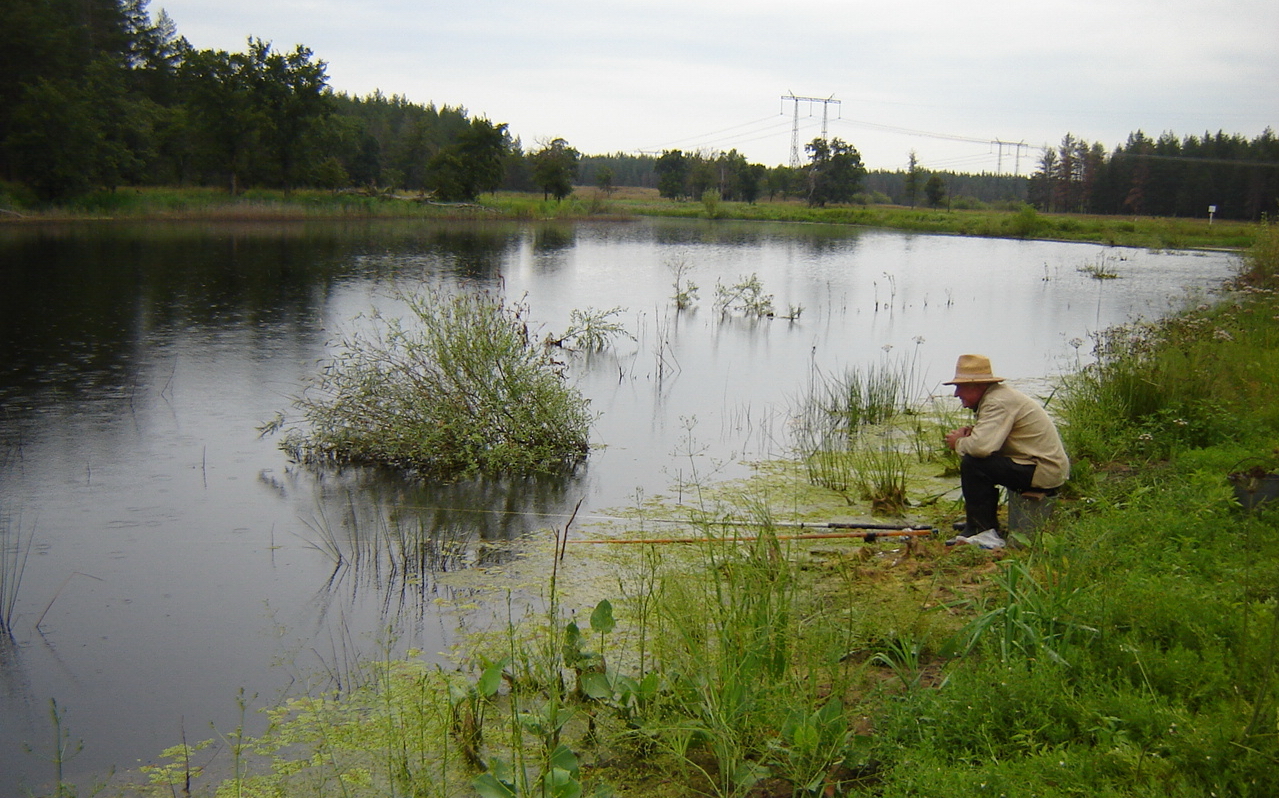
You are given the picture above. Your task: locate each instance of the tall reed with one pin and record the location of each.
(14, 554)
(880, 468)
(830, 429)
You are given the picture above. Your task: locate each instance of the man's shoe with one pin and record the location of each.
(959, 526)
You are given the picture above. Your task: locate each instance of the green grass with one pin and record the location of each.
(264, 204)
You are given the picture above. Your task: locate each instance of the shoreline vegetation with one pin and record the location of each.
(200, 204)
(1130, 649)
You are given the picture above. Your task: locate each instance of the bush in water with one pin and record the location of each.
(460, 388)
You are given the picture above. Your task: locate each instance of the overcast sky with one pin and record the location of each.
(945, 78)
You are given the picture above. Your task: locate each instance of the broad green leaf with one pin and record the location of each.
(747, 773)
(625, 684)
(560, 783)
(806, 737)
(489, 787)
(596, 685)
(602, 618)
(564, 759)
(490, 679)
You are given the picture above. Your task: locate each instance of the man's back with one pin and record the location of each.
(1013, 424)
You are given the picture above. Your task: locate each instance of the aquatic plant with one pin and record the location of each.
(880, 470)
(685, 289)
(63, 751)
(830, 419)
(460, 387)
(1100, 269)
(14, 554)
(745, 296)
(1260, 268)
(591, 330)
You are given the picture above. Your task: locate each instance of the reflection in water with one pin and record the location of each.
(553, 238)
(74, 319)
(475, 253)
(73, 323)
(391, 537)
(15, 688)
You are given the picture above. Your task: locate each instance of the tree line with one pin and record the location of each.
(96, 94)
(834, 174)
(1167, 176)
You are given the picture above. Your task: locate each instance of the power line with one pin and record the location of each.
(668, 145)
(1017, 146)
(911, 132)
(767, 127)
(763, 133)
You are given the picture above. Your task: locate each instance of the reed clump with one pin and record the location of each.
(854, 431)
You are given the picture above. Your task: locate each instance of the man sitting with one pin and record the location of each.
(1012, 443)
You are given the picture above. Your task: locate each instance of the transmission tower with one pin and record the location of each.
(1017, 148)
(794, 132)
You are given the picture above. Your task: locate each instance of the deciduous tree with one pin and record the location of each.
(471, 165)
(604, 180)
(555, 168)
(834, 172)
(291, 90)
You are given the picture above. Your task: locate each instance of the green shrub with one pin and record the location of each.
(461, 388)
(1026, 222)
(710, 203)
(16, 196)
(965, 203)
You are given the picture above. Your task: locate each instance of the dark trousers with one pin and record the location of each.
(980, 478)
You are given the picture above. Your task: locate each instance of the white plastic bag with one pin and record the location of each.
(989, 539)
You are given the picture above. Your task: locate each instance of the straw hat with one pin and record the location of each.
(973, 369)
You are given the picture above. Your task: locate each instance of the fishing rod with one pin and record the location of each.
(701, 521)
(867, 532)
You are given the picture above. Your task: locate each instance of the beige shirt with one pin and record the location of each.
(1012, 424)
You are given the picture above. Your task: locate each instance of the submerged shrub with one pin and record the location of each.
(461, 388)
(746, 297)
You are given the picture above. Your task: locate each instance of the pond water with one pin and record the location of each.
(177, 559)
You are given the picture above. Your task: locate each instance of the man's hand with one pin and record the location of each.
(954, 435)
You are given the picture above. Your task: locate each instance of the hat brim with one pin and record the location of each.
(975, 381)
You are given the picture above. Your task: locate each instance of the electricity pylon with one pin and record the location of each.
(794, 133)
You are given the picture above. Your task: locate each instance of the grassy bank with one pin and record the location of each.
(586, 203)
(1130, 650)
